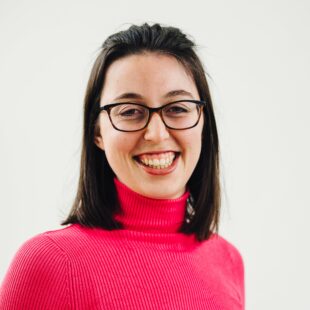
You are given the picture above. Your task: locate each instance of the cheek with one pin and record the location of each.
(191, 144)
(191, 139)
(118, 147)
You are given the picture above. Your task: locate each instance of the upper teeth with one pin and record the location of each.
(159, 160)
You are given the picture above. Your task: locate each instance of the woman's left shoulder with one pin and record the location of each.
(227, 257)
(225, 250)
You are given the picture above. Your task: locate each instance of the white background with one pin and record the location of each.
(257, 53)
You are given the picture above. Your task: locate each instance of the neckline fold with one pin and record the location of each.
(142, 213)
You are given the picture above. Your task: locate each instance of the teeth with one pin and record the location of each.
(160, 161)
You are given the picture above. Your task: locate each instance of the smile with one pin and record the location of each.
(157, 161)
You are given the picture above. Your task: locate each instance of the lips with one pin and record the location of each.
(157, 160)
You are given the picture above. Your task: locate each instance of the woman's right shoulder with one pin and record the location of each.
(47, 243)
(52, 247)
(42, 253)
(38, 271)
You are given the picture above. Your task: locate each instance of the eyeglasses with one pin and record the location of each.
(178, 115)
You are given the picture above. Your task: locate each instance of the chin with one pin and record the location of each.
(159, 192)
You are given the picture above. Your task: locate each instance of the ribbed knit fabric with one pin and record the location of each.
(147, 265)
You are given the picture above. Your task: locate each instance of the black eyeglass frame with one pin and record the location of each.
(158, 110)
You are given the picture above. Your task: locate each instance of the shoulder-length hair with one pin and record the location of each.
(96, 201)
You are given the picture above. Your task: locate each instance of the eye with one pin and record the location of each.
(175, 109)
(129, 111)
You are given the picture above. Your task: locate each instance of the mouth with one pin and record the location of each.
(159, 161)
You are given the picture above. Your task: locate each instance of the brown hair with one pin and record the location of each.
(96, 200)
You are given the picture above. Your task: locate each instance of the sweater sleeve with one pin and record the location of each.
(37, 277)
(238, 271)
(239, 265)
(232, 265)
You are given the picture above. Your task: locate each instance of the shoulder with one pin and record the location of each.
(38, 265)
(227, 250)
(42, 254)
(52, 245)
(227, 264)
(225, 258)
(44, 246)
(71, 242)
(229, 259)
(65, 244)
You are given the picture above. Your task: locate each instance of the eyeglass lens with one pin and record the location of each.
(129, 116)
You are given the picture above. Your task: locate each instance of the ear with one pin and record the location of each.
(98, 138)
(99, 142)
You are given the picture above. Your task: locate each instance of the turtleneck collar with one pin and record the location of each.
(142, 213)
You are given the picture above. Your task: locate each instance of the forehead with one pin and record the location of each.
(151, 75)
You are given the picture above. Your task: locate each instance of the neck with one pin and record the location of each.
(149, 214)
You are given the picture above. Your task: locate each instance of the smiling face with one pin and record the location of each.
(155, 162)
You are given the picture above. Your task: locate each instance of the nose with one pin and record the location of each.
(156, 130)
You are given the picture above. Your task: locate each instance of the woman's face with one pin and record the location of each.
(153, 80)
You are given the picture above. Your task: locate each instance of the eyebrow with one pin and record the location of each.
(129, 96)
(172, 93)
(178, 92)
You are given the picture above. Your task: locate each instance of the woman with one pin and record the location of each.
(142, 232)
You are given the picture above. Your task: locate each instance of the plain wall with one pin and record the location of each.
(257, 54)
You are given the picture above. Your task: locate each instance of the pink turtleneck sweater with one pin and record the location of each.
(147, 265)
